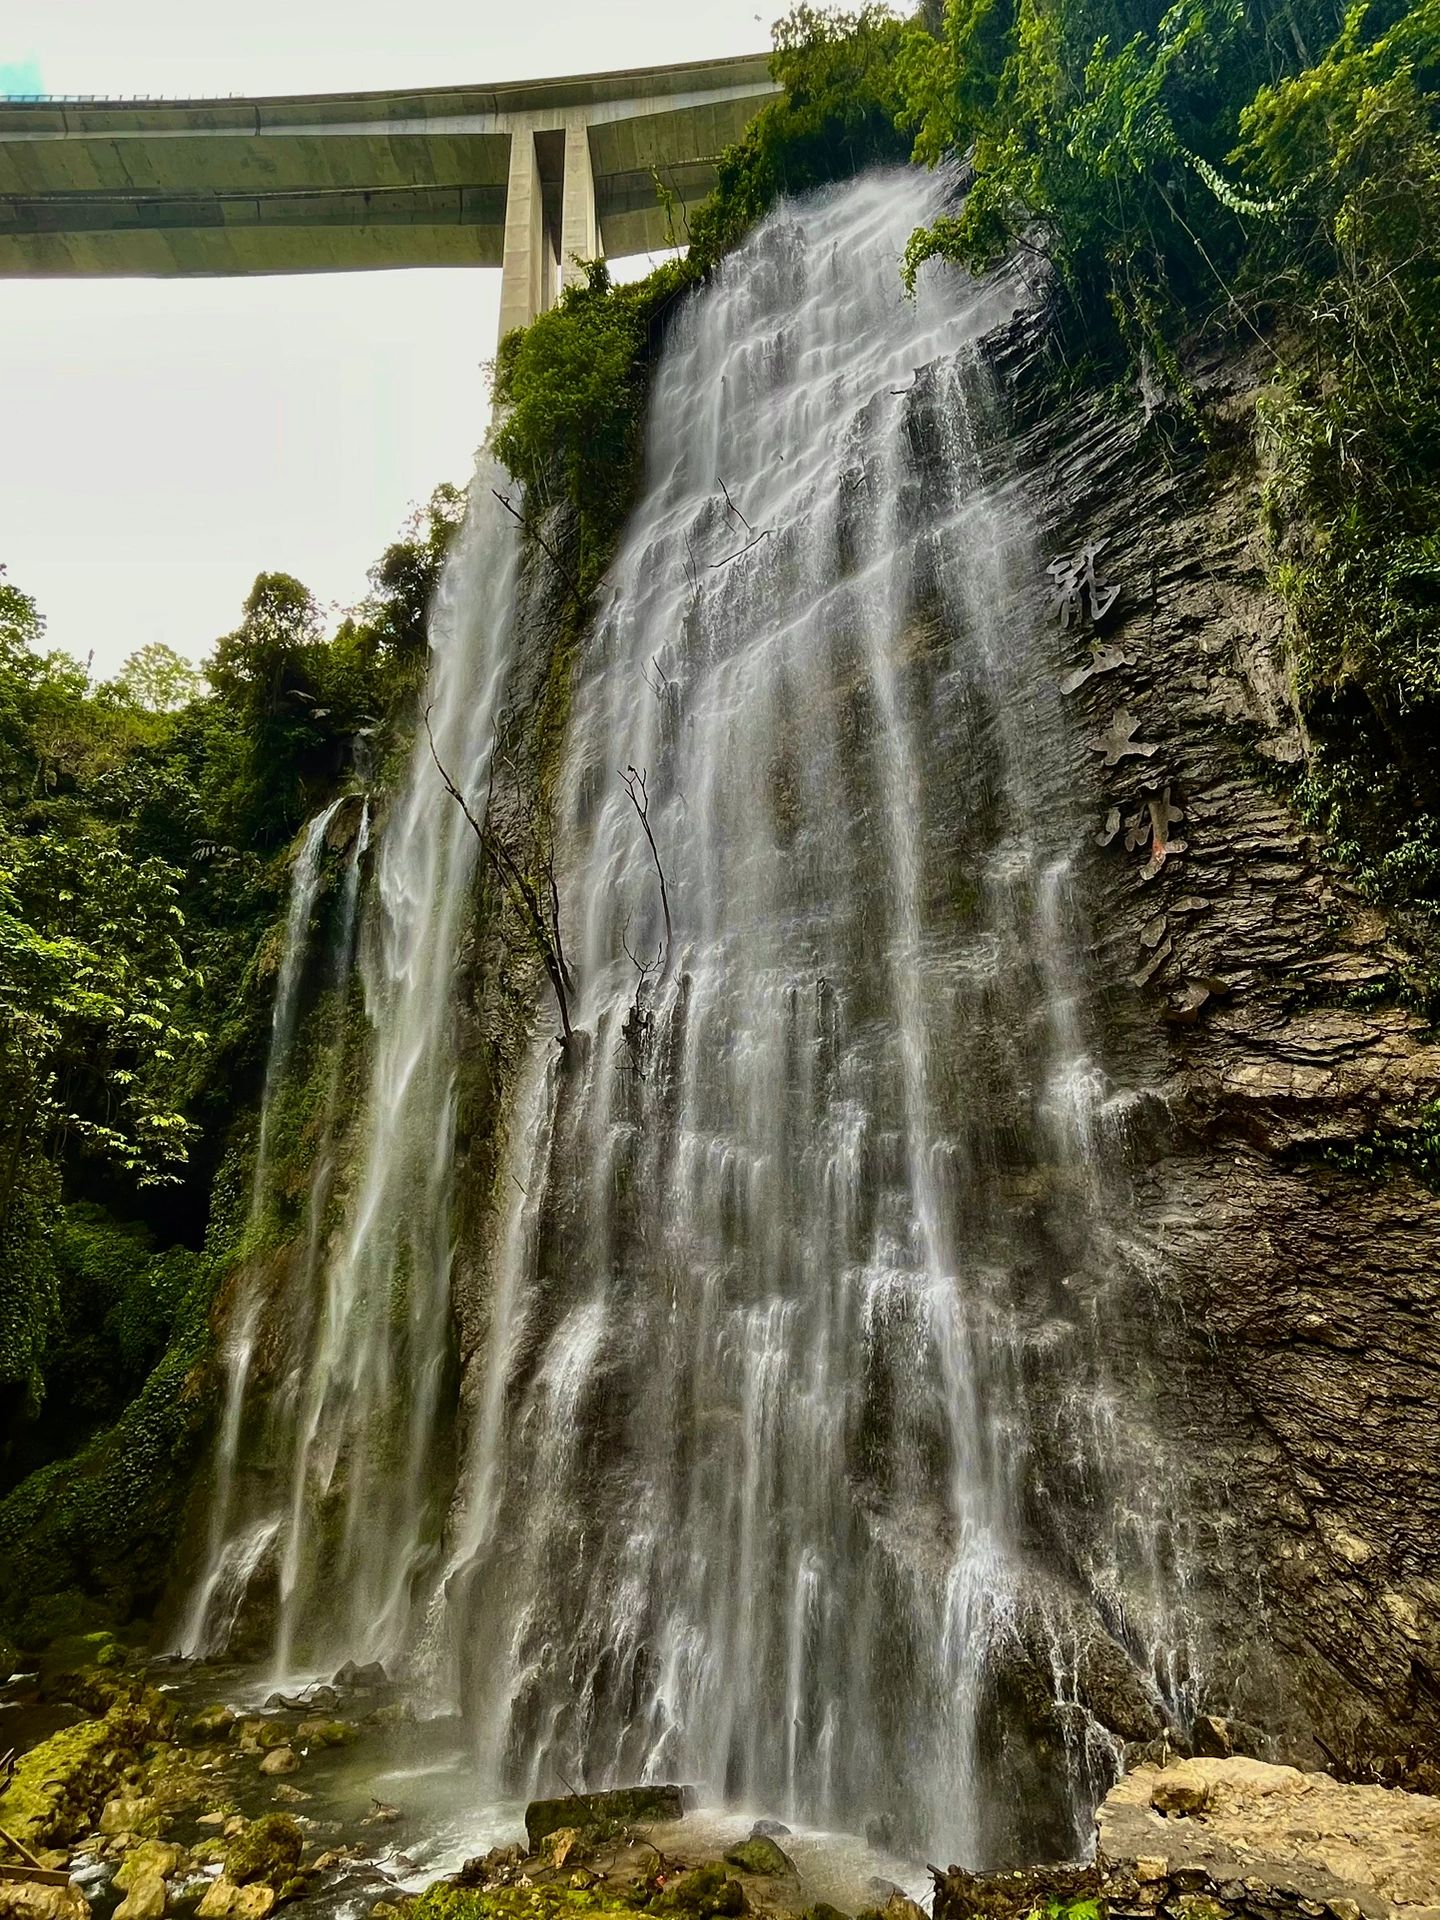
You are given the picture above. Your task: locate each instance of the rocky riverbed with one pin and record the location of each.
(143, 1791)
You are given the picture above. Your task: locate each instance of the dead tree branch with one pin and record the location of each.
(528, 527)
(540, 917)
(635, 784)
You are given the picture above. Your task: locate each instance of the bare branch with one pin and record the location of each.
(528, 527)
(636, 785)
(715, 566)
(734, 509)
(504, 864)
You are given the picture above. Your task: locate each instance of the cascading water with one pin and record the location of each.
(756, 1466)
(362, 1404)
(233, 1553)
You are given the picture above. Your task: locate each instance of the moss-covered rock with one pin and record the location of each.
(211, 1723)
(75, 1652)
(327, 1733)
(758, 1854)
(146, 1899)
(708, 1890)
(624, 1807)
(28, 1901)
(268, 1849)
(449, 1902)
(60, 1786)
(151, 1856)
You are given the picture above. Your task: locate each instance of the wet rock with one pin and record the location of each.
(210, 1724)
(1015, 1895)
(758, 1854)
(151, 1856)
(1180, 1789)
(1298, 1844)
(253, 1902)
(327, 1733)
(372, 1674)
(396, 1713)
(625, 1806)
(25, 1900)
(127, 1816)
(146, 1898)
(901, 1907)
(769, 1830)
(708, 1890)
(497, 1868)
(822, 1910)
(269, 1849)
(280, 1760)
(218, 1900)
(260, 1736)
(292, 1796)
(381, 1815)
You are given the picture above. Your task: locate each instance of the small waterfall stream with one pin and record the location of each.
(233, 1553)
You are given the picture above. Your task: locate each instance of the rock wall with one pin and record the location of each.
(1289, 1333)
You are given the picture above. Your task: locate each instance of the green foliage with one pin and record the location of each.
(143, 828)
(570, 388)
(1273, 166)
(157, 679)
(837, 115)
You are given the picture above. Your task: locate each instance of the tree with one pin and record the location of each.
(158, 679)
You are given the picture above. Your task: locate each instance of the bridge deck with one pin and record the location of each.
(309, 183)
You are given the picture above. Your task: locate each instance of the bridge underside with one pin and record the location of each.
(523, 177)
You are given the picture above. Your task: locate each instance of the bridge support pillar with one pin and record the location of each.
(579, 227)
(527, 284)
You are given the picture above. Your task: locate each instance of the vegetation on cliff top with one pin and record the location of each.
(1264, 169)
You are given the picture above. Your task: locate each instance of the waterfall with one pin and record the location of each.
(363, 1409)
(232, 1555)
(759, 1480)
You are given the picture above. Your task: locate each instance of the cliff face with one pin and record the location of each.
(1287, 1331)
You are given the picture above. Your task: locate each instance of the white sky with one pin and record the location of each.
(162, 442)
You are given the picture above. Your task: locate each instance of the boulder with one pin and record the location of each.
(327, 1733)
(372, 1674)
(259, 1736)
(1181, 1789)
(218, 1901)
(625, 1806)
(128, 1815)
(705, 1892)
(280, 1760)
(563, 1846)
(151, 1856)
(146, 1899)
(254, 1902)
(27, 1900)
(269, 1849)
(210, 1724)
(758, 1854)
(769, 1829)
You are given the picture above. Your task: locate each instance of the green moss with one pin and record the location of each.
(758, 1854)
(517, 1903)
(60, 1786)
(708, 1890)
(268, 1849)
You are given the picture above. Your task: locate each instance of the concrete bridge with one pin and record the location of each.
(525, 176)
